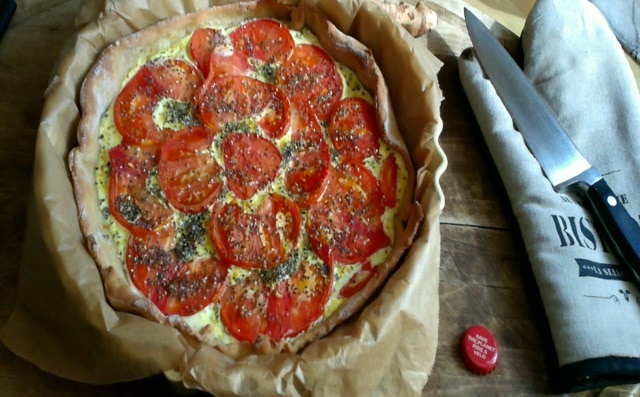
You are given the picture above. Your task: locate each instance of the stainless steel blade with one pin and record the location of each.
(561, 161)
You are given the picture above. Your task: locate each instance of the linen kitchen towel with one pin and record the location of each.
(624, 18)
(592, 305)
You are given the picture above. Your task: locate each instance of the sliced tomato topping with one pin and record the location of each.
(133, 110)
(224, 61)
(189, 175)
(131, 203)
(281, 222)
(307, 159)
(265, 40)
(243, 308)
(175, 287)
(262, 239)
(197, 284)
(214, 54)
(354, 129)
(345, 224)
(251, 308)
(310, 77)
(359, 280)
(201, 44)
(135, 104)
(176, 79)
(389, 181)
(299, 300)
(152, 264)
(251, 163)
(231, 99)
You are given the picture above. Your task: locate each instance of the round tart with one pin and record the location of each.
(239, 176)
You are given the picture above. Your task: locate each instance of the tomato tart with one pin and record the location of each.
(240, 176)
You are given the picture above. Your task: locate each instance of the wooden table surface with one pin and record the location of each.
(485, 274)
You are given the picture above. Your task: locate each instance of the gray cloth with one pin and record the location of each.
(576, 63)
(624, 18)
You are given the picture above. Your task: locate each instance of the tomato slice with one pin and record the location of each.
(135, 104)
(389, 181)
(359, 280)
(307, 158)
(133, 110)
(265, 40)
(345, 224)
(130, 202)
(281, 221)
(201, 45)
(311, 77)
(243, 308)
(251, 308)
(354, 129)
(152, 264)
(214, 54)
(189, 175)
(231, 99)
(299, 300)
(197, 284)
(251, 163)
(175, 287)
(223, 63)
(262, 239)
(176, 79)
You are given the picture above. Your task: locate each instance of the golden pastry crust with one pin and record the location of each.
(103, 84)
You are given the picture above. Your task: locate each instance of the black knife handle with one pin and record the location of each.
(621, 229)
(7, 9)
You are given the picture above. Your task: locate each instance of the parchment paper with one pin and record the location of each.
(64, 325)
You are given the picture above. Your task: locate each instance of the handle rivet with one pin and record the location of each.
(611, 200)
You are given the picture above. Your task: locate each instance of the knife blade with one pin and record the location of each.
(561, 161)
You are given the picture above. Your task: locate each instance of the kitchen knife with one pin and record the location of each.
(559, 158)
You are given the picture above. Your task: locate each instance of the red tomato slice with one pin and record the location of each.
(358, 281)
(224, 63)
(389, 181)
(176, 79)
(250, 308)
(188, 173)
(130, 202)
(175, 287)
(230, 99)
(354, 129)
(345, 223)
(262, 239)
(133, 110)
(201, 45)
(251, 163)
(299, 301)
(265, 40)
(311, 77)
(243, 308)
(307, 159)
(197, 284)
(135, 104)
(280, 219)
(152, 264)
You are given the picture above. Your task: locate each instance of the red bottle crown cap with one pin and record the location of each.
(479, 350)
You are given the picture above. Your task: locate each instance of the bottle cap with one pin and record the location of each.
(479, 350)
